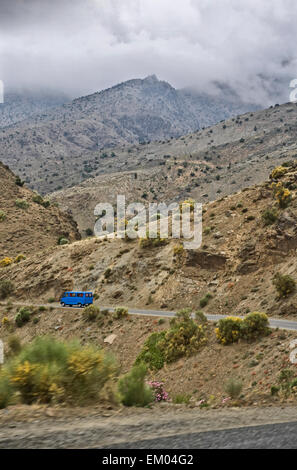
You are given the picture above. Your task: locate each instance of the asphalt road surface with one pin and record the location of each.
(273, 322)
(269, 436)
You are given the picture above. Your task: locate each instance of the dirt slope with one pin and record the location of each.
(30, 229)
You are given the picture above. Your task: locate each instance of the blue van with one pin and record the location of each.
(80, 299)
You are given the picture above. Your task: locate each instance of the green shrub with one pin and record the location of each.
(39, 200)
(285, 375)
(120, 312)
(269, 216)
(183, 338)
(274, 389)
(233, 387)
(89, 232)
(14, 345)
(284, 284)
(181, 398)
(2, 216)
(20, 257)
(200, 317)
(19, 182)
(91, 313)
(107, 273)
(205, 300)
(133, 389)
(21, 203)
(23, 316)
(51, 300)
(6, 288)
(51, 371)
(63, 241)
(151, 353)
(5, 390)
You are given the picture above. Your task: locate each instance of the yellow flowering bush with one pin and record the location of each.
(187, 203)
(6, 262)
(23, 378)
(5, 321)
(231, 329)
(19, 258)
(178, 250)
(228, 330)
(52, 371)
(255, 324)
(278, 172)
(147, 242)
(282, 194)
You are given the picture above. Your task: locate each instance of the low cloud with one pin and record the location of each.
(82, 46)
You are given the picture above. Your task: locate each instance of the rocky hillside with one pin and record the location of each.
(247, 239)
(63, 145)
(205, 165)
(21, 105)
(29, 224)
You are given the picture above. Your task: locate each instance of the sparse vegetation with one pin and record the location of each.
(2, 216)
(133, 389)
(91, 313)
(284, 284)
(63, 241)
(120, 312)
(205, 300)
(181, 398)
(269, 216)
(6, 288)
(39, 200)
(23, 316)
(21, 204)
(233, 387)
(19, 258)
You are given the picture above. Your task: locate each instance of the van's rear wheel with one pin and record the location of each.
(80, 305)
(62, 303)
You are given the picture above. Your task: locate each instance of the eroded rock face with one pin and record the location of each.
(247, 251)
(206, 260)
(247, 267)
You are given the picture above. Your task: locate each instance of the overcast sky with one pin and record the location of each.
(81, 46)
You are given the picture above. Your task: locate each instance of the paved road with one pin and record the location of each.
(273, 322)
(269, 436)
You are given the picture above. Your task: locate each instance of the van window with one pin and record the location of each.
(80, 295)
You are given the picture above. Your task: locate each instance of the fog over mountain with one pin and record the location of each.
(82, 46)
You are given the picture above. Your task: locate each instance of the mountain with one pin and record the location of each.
(136, 111)
(204, 165)
(29, 224)
(22, 104)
